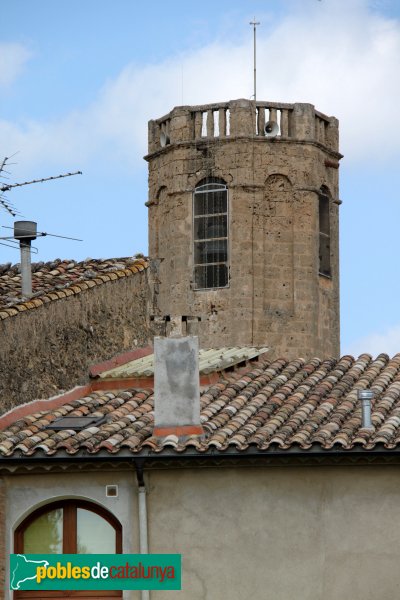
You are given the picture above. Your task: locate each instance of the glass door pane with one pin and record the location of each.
(45, 534)
(95, 535)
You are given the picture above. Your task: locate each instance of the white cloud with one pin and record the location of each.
(376, 343)
(345, 61)
(12, 60)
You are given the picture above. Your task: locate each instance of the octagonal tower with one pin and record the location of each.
(243, 224)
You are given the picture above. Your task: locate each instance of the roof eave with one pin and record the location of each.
(316, 453)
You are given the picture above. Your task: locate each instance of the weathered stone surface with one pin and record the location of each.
(50, 348)
(276, 296)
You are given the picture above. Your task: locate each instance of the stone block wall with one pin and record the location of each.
(50, 348)
(276, 296)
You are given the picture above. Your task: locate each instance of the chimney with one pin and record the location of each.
(176, 386)
(174, 325)
(25, 232)
(366, 396)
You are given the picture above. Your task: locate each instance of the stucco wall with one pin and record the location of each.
(280, 533)
(2, 537)
(51, 347)
(25, 493)
(270, 533)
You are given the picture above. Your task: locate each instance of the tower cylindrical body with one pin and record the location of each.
(243, 220)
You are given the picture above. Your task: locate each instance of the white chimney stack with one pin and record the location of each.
(176, 386)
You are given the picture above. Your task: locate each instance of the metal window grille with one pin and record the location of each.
(324, 236)
(210, 236)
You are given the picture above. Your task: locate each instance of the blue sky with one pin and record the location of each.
(80, 79)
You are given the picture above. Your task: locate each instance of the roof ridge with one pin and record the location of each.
(76, 285)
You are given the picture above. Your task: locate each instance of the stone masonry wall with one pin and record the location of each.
(50, 348)
(276, 296)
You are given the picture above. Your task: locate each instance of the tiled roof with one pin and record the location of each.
(59, 279)
(210, 360)
(280, 405)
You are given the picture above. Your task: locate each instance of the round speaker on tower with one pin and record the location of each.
(271, 129)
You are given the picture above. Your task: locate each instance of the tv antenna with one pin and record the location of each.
(6, 187)
(4, 203)
(24, 234)
(255, 23)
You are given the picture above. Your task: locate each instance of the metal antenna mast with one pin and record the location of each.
(24, 233)
(255, 23)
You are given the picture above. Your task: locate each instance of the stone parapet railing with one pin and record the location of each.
(243, 118)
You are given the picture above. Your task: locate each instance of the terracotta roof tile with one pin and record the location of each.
(282, 404)
(58, 279)
(210, 361)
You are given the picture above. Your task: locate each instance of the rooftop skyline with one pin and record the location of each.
(79, 81)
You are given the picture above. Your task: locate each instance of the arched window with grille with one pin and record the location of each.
(324, 233)
(69, 527)
(210, 234)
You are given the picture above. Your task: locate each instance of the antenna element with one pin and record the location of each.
(7, 187)
(255, 23)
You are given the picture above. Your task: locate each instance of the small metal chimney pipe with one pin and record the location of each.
(25, 232)
(26, 269)
(176, 386)
(366, 396)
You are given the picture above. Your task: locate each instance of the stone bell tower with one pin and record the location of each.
(243, 224)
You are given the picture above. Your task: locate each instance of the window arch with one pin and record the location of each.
(69, 527)
(162, 194)
(324, 233)
(210, 234)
